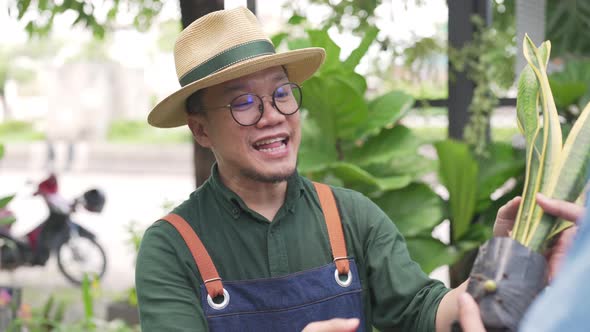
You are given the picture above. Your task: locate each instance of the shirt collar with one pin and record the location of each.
(235, 204)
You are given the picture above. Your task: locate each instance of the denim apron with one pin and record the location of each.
(286, 303)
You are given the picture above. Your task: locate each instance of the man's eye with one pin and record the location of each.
(243, 102)
(281, 93)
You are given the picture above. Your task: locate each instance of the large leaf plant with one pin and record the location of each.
(358, 142)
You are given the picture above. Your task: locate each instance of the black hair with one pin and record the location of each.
(194, 102)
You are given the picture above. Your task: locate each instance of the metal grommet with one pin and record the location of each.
(344, 283)
(219, 306)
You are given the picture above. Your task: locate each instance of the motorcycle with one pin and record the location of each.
(76, 248)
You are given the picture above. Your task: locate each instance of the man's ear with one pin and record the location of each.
(198, 126)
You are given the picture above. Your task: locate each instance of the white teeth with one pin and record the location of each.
(269, 141)
(282, 146)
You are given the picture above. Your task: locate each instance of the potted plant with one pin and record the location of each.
(509, 272)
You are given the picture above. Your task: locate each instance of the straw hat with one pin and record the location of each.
(222, 46)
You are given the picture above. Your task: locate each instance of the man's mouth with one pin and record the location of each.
(271, 144)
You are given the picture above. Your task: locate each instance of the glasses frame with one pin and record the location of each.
(261, 106)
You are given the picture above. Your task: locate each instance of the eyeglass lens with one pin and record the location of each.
(247, 109)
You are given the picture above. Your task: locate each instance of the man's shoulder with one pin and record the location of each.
(187, 210)
(343, 195)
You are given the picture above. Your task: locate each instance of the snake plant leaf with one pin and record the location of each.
(552, 139)
(572, 173)
(575, 162)
(544, 145)
(528, 110)
(555, 170)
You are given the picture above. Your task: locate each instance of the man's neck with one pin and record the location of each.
(265, 198)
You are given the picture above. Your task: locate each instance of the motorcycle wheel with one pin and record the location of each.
(79, 256)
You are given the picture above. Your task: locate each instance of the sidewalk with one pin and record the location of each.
(102, 157)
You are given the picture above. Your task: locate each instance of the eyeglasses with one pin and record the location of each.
(247, 109)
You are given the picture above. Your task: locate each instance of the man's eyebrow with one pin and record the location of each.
(234, 87)
(280, 76)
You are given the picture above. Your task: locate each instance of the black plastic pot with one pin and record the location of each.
(505, 279)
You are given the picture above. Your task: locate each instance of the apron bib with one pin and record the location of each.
(286, 303)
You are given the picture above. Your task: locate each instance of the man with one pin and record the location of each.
(258, 247)
(564, 305)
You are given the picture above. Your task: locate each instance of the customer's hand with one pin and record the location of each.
(561, 209)
(565, 210)
(506, 217)
(333, 325)
(469, 315)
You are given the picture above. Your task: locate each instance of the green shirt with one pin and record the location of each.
(243, 244)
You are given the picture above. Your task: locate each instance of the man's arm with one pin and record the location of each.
(166, 297)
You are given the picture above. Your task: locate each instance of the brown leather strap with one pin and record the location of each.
(334, 224)
(204, 263)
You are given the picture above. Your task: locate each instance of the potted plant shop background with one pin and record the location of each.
(509, 272)
(358, 142)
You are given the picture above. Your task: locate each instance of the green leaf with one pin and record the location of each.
(502, 164)
(294, 44)
(22, 7)
(414, 165)
(335, 105)
(356, 178)
(572, 174)
(296, 20)
(567, 93)
(7, 220)
(1, 151)
(278, 38)
(5, 200)
(355, 57)
(430, 253)
(560, 226)
(549, 148)
(527, 110)
(386, 110)
(316, 151)
(458, 172)
(414, 209)
(396, 142)
(320, 38)
(87, 299)
(355, 80)
(575, 160)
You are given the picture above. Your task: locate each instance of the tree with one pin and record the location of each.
(39, 16)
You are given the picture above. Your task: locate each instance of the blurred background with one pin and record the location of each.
(78, 78)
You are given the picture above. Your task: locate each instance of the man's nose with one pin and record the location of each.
(270, 114)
